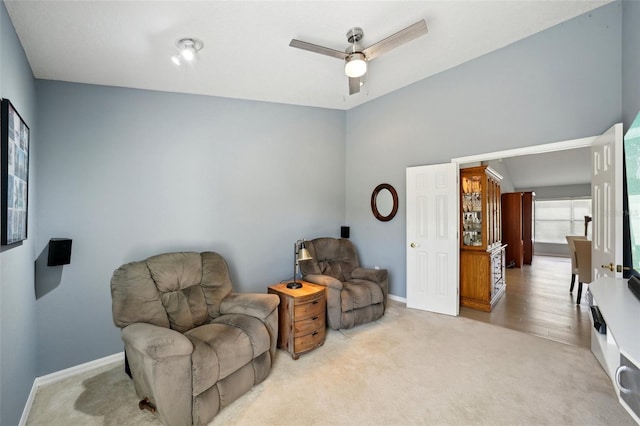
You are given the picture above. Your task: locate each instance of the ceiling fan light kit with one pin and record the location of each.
(187, 50)
(356, 65)
(356, 57)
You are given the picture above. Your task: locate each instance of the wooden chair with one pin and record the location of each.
(583, 257)
(572, 252)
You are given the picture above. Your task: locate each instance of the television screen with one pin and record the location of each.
(632, 198)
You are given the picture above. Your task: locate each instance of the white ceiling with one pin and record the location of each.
(246, 51)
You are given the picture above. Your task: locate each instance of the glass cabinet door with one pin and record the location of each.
(472, 210)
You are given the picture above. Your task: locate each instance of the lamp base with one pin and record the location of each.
(294, 284)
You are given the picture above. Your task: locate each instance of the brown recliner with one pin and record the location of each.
(193, 346)
(355, 295)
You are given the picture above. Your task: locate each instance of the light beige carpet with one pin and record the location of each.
(409, 368)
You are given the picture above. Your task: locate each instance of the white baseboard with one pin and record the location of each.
(77, 369)
(398, 298)
(28, 405)
(63, 374)
(552, 254)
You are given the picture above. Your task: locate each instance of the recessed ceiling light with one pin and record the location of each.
(188, 49)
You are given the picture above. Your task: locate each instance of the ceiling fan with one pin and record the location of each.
(356, 56)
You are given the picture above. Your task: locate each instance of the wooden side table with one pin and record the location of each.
(301, 317)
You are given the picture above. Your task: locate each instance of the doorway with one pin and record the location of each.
(537, 299)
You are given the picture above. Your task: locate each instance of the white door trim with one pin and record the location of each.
(534, 149)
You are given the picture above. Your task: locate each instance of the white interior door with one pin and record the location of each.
(432, 238)
(606, 195)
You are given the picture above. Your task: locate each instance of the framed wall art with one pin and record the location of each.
(14, 149)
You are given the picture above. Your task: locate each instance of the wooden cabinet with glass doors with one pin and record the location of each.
(481, 250)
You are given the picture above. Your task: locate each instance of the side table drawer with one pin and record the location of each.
(309, 325)
(309, 298)
(310, 309)
(309, 341)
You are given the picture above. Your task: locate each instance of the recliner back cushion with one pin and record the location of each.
(135, 297)
(332, 268)
(176, 290)
(331, 256)
(216, 281)
(178, 277)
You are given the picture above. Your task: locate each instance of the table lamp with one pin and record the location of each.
(300, 253)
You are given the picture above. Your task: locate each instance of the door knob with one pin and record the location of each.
(610, 267)
(615, 268)
(414, 245)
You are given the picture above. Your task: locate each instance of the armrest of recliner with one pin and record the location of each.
(324, 280)
(156, 342)
(160, 361)
(257, 305)
(375, 275)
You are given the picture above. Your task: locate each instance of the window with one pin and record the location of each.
(554, 219)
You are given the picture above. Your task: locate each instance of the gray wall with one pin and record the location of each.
(130, 173)
(506, 184)
(559, 191)
(630, 61)
(17, 303)
(561, 84)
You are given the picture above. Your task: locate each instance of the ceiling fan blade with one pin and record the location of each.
(317, 49)
(403, 36)
(354, 85)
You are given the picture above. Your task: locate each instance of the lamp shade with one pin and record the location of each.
(356, 65)
(303, 254)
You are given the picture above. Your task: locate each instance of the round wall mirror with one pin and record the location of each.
(384, 202)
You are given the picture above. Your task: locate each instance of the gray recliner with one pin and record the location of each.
(355, 295)
(192, 344)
